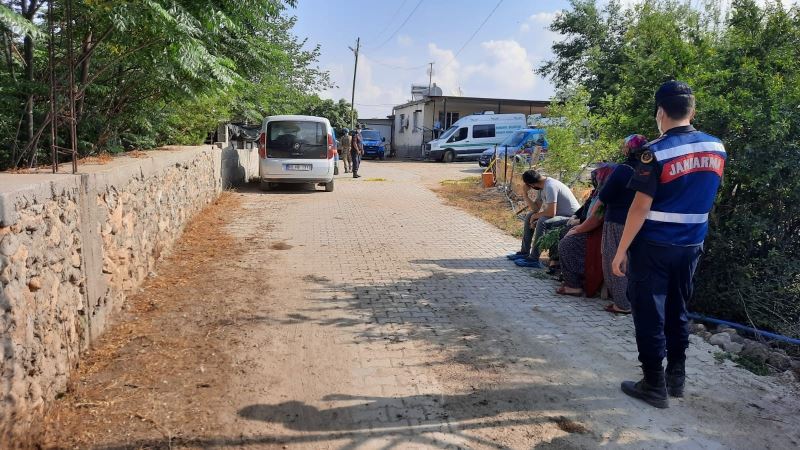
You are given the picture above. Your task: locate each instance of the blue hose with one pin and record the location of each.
(766, 334)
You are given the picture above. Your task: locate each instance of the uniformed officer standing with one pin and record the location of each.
(676, 181)
(344, 150)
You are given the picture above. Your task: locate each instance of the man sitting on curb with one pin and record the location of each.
(557, 205)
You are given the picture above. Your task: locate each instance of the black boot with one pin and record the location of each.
(651, 389)
(676, 376)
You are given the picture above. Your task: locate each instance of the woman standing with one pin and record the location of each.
(617, 199)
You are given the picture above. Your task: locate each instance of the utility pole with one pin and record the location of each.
(430, 77)
(355, 70)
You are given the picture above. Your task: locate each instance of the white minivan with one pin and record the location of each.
(473, 134)
(296, 149)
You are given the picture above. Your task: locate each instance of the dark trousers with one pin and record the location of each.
(659, 287)
(530, 235)
(356, 161)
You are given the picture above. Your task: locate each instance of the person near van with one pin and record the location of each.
(557, 204)
(676, 181)
(356, 150)
(344, 150)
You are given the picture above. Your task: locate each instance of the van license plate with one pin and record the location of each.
(298, 167)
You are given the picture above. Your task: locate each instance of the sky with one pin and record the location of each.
(400, 37)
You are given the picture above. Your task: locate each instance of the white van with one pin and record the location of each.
(296, 149)
(473, 134)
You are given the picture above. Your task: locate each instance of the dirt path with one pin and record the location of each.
(377, 317)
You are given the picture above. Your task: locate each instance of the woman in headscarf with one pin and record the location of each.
(617, 198)
(581, 245)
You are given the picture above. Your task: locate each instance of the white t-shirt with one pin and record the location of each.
(557, 192)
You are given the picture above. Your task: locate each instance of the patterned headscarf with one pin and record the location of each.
(634, 142)
(601, 174)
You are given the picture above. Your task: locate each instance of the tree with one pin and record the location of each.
(745, 70)
(154, 71)
(575, 140)
(592, 48)
(338, 113)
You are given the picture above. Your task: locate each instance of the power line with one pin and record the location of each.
(376, 104)
(391, 19)
(392, 66)
(399, 28)
(473, 35)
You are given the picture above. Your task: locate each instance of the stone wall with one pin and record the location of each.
(73, 246)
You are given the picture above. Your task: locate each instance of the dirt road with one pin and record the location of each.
(378, 317)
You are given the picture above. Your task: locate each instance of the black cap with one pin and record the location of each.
(672, 88)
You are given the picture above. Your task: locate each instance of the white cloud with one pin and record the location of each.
(506, 70)
(373, 98)
(405, 40)
(445, 69)
(538, 22)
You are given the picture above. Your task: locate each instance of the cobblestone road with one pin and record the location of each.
(394, 321)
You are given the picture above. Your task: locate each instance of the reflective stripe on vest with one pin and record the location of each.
(660, 216)
(685, 149)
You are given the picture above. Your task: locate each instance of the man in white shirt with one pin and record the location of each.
(555, 205)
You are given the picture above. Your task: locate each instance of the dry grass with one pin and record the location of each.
(164, 363)
(137, 154)
(101, 159)
(487, 203)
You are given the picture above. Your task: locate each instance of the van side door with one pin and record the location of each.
(457, 141)
(483, 137)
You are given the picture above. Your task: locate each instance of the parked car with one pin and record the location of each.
(296, 149)
(471, 135)
(374, 144)
(520, 145)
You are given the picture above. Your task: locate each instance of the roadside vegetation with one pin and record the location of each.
(149, 73)
(488, 204)
(743, 61)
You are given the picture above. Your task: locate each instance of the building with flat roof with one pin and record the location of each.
(419, 121)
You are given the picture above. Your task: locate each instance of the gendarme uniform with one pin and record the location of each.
(681, 171)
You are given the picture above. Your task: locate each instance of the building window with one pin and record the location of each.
(416, 121)
(402, 122)
(452, 117)
(483, 131)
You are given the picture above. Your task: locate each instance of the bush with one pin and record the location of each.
(745, 70)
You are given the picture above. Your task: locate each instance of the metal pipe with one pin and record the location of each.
(767, 334)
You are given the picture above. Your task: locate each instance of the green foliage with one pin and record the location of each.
(338, 113)
(153, 72)
(575, 141)
(549, 241)
(745, 70)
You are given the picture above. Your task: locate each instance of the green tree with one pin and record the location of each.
(153, 71)
(745, 71)
(575, 139)
(338, 113)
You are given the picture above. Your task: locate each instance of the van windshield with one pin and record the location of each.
(449, 132)
(516, 139)
(370, 135)
(297, 139)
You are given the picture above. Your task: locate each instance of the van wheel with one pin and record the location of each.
(383, 157)
(329, 187)
(449, 156)
(265, 186)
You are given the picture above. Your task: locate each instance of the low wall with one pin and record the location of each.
(73, 246)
